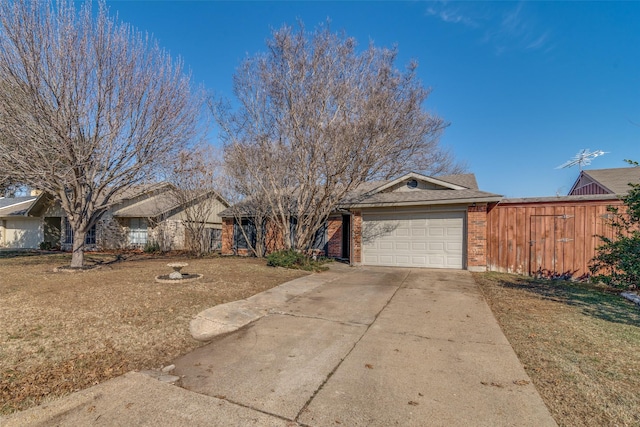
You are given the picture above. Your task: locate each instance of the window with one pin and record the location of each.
(138, 231)
(89, 239)
(250, 231)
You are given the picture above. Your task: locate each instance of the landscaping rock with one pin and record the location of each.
(633, 297)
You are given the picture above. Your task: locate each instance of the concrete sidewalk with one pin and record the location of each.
(359, 347)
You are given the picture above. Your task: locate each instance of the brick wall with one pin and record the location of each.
(334, 237)
(227, 236)
(477, 238)
(356, 238)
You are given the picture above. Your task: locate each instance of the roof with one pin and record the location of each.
(148, 208)
(467, 180)
(616, 180)
(159, 204)
(452, 189)
(158, 201)
(15, 206)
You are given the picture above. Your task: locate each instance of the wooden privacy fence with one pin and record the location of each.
(547, 237)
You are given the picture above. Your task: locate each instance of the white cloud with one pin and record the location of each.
(505, 26)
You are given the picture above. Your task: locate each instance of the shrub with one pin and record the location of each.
(151, 247)
(617, 262)
(295, 260)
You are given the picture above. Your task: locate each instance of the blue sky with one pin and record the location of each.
(525, 85)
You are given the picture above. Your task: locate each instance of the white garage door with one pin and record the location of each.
(23, 233)
(414, 240)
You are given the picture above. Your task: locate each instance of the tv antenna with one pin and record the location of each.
(583, 158)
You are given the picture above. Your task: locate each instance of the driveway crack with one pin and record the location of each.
(315, 393)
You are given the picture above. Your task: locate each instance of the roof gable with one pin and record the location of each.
(423, 183)
(605, 181)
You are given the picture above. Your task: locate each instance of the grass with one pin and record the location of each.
(579, 343)
(62, 332)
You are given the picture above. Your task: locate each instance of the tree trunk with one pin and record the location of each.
(77, 256)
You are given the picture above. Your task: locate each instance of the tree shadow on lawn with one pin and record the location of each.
(592, 300)
(91, 259)
(17, 253)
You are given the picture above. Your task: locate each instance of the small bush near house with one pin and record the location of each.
(46, 246)
(295, 260)
(152, 247)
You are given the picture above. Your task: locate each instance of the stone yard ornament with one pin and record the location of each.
(176, 276)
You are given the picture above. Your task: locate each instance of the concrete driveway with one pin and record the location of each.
(363, 347)
(378, 347)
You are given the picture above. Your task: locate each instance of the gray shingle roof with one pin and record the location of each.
(615, 179)
(149, 208)
(13, 206)
(361, 196)
(464, 179)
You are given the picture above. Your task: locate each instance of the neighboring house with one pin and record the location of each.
(411, 221)
(142, 215)
(17, 230)
(605, 181)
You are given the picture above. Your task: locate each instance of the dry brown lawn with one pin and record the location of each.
(62, 332)
(580, 345)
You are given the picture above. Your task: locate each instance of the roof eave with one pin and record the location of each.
(464, 201)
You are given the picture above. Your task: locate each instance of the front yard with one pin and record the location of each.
(61, 332)
(579, 344)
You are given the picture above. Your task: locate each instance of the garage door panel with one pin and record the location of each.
(401, 232)
(418, 232)
(417, 240)
(385, 245)
(454, 247)
(418, 246)
(436, 232)
(436, 246)
(436, 261)
(453, 262)
(401, 246)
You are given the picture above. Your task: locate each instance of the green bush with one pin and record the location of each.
(617, 262)
(295, 260)
(151, 247)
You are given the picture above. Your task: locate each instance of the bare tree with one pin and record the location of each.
(317, 118)
(89, 106)
(251, 201)
(194, 177)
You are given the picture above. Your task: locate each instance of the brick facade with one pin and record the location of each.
(477, 237)
(334, 237)
(356, 238)
(227, 236)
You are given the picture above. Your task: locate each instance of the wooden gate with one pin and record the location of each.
(551, 246)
